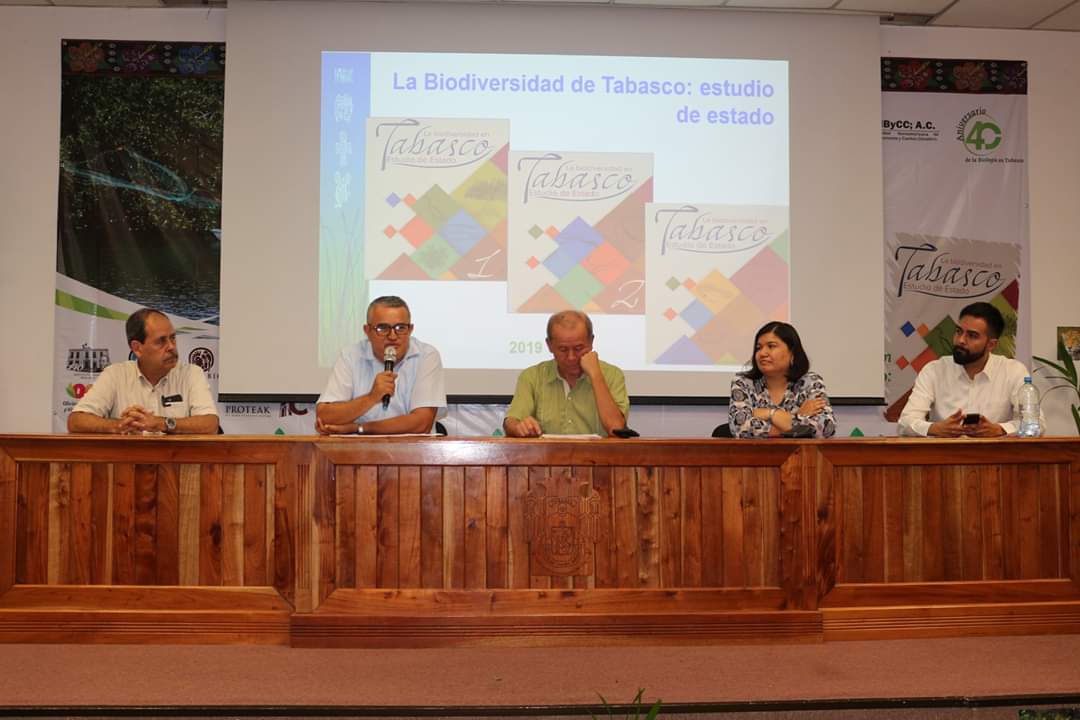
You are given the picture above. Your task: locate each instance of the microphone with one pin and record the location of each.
(389, 357)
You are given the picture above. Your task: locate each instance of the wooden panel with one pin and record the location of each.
(100, 614)
(873, 524)
(671, 547)
(345, 525)
(1010, 520)
(307, 542)
(992, 514)
(1028, 523)
(188, 530)
(386, 561)
(752, 540)
(409, 570)
(583, 475)
(475, 524)
(497, 551)
(167, 536)
(931, 538)
(770, 525)
(454, 527)
(1073, 491)
(795, 578)
(123, 524)
(893, 481)
(559, 484)
(851, 525)
(145, 524)
(648, 527)
(367, 526)
(284, 537)
(731, 492)
(626, 532)
(517, 486)
(913, 524)
(324, 515)
(80, 556)
(10, 512)
(971, 535)
(712, 528)
(431, 527)
(693, 529)
(232, 525)
(255, 545)
(101, 482)
(538, 577)
(210, 530)
(930, 519)
(33, 523)
(59, 522)
(951, 514)
(1049, 515)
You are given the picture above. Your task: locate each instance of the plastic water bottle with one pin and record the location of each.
(1030, 425)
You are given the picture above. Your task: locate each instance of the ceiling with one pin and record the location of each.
(1012, 14)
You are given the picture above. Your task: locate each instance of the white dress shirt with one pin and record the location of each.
(943, 387)
(419, 383)
(183, 392)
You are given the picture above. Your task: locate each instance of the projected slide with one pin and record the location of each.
(492, 190)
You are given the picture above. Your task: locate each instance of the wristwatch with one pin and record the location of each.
(772, 411)
(170, 425)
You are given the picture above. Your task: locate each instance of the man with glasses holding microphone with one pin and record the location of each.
(389, 383)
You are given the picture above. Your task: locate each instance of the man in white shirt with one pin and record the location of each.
(362, 396)
(153, 394)
(973, 392)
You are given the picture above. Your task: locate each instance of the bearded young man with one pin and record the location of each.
(973, 392)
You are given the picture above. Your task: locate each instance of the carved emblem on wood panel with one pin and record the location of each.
(562, 528)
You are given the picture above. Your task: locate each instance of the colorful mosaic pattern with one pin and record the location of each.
(597, 268)
(716, 315)
(161, 59)
(938, 340)
(454, 233)
(1001, 77)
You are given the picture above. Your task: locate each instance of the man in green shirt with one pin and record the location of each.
(573, 394)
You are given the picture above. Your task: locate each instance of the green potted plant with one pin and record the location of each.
(1066, 377)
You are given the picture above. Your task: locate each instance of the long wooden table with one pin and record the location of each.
(399, 542)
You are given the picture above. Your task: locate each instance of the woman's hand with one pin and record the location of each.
(812, 407)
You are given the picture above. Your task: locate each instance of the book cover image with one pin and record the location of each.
(435, 197)
(577, 238)
(716, 273)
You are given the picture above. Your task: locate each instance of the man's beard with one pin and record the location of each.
(961, 356)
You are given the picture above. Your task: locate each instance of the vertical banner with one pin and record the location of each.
(139, 212)
(954, 143)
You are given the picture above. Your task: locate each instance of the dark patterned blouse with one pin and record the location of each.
(748, 395)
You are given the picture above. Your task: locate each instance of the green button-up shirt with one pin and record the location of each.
(542, 394)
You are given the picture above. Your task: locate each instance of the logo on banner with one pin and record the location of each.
(248, 410)
(979, 132)
(927, 269)
(908, 130)
(203, 357)
(289, 409)
(77, 390)
(86, 359)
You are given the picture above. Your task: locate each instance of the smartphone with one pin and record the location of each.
(971, 419)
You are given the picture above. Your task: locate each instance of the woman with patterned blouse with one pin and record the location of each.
(778, 394)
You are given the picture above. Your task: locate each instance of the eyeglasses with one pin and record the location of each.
(398, 328)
